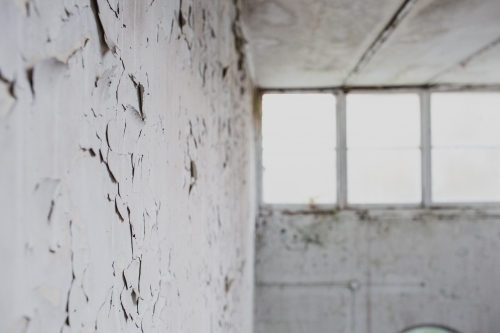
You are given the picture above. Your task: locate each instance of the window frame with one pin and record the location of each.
(424, 94)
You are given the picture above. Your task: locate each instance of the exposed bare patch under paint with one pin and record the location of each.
(7, 97)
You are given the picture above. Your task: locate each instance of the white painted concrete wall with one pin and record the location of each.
(377, 271)
(126, 158)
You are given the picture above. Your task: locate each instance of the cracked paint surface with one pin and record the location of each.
(126, 157)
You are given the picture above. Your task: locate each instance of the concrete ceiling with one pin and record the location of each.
(332, 43)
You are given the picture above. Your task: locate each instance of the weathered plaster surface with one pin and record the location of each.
(297, 43)
(434, 37)
(377, 271)
(126, 167)
(479, 68)
(320, 43)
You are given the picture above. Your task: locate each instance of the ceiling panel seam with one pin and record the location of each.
(384, 35)
(466, 61)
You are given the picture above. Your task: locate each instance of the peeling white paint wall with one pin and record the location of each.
(377, 271)
(126, 158)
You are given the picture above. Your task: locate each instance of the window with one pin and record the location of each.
(465, 147)
(383, 148)
(298, 148)
(416, 148)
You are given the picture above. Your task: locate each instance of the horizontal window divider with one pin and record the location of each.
(383, 148)
(384, 206)
(293, 209)
(466, 147)
(387, 89)
(299, 209)
(485, 204)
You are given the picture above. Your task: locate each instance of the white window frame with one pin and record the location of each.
(341, 170)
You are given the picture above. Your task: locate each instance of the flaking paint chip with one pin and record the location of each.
(7, 99)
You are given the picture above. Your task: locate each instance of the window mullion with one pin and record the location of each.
(258, 147)
(426, 148)
(341, 151)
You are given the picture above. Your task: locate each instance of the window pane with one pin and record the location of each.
(465, 119)
(383, 142)
(298, 141)
(466, 175)
(465, 147)
(384, 176)
(383, 120)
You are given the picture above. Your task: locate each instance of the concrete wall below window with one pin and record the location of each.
(377, 271)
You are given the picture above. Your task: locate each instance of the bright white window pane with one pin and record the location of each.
(466, 147)
(466, 175)
(383, 142)
(383, 120)
(298, 148)
(384, 176)
(465, 119)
